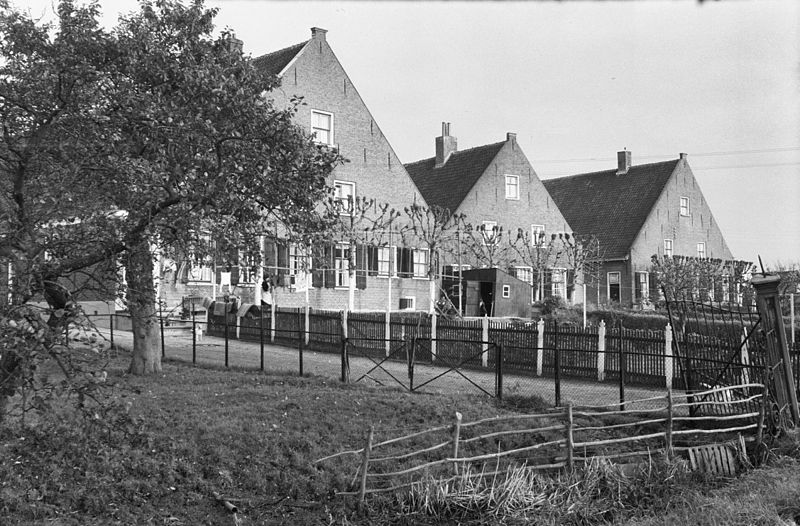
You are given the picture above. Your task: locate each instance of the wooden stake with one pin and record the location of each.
(762, 414)
(669, 424)
(456, 435)
(570, 441)
(364, 465)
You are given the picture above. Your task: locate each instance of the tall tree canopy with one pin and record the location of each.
(115, 142)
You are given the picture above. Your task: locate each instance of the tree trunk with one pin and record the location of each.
(146, 357)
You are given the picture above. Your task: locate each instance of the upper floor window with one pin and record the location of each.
(537, 235)
(512, 187)
(668, 247)
(684, 206)
(322, 126)
(490, 232)
(345, 194)
(701, 250)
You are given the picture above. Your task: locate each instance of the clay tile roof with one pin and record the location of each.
(449, 185)
(612, 207)
(273, 63)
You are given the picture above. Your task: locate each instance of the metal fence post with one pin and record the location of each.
(300, 338)
(622, 366)
(485, 341)
(557, 364)
(411, 356)
(498, 367)
(261, 336)
(194, 339)
(226, 338)
(161, 324)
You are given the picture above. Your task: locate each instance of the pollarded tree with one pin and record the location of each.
(116, 142)
(436, 228)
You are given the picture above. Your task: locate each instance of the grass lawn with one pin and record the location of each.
(252, 437)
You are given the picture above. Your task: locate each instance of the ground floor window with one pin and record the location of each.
(341, 257)
(642, 286)
(559, 282)
(614, 281)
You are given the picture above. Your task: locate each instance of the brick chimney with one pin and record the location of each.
(317, 33)
(234, 44)
(446, 145)
(623, 162)
(684, 156)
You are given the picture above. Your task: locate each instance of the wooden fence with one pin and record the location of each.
(529, 348)
(553, 440)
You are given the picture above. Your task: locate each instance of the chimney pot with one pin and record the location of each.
(511, 137)
(623, 162)
(317, 33)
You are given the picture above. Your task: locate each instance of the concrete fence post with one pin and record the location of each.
(433, 337)
(307, 322)
(344, 323)
(601, 351)
(388, 332)
(539, 347)
(485, 341)
(272, 310)
(668, 356)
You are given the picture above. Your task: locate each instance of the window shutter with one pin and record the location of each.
(570, 283)
(361, 267)
(330, 267)
(372, 260)
(269, 256)
(317, 262)
(406, 262)
(234, 275)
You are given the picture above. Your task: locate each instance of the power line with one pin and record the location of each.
(660, 156)
(695, 168)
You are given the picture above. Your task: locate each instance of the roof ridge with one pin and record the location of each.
(265, 55)
(457, 152)
(584, 174)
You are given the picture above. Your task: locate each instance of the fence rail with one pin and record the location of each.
(548, 441)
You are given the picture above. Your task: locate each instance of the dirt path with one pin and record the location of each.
(427, 378)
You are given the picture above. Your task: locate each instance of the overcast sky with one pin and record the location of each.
(577, 81)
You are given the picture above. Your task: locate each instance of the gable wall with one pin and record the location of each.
(487, 199)
(319, 78)
(665, 222)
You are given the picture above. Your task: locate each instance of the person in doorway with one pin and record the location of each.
(266, 293)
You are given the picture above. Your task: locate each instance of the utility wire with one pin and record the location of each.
(668, 155)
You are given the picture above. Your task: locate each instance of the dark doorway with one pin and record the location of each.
(487, 297)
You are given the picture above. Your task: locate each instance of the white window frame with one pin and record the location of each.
(558, 287)
(701, 249)
(420, 268)
(512, 187)
(684, 206)
(385, 267)
(246, 275)
(314, 128)
(525, 270)
(608, 283)
(668, 247)
(345, 202)
(413, 302)
(535, 238)
(342, 265)
(506, 291)
(489, 226)
(644, 284)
